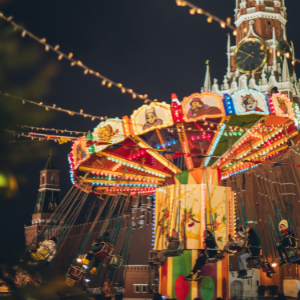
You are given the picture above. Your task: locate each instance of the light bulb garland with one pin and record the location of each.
(53, 107)
(61, 55)
(197, 10)
(53, 129)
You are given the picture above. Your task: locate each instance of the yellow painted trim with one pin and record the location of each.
(194, 284)
(224, 119)
(153, 153)
(219, 279)
(120, 173)
(170, 277)
(185, 145)
(121, 181)
(104, 154)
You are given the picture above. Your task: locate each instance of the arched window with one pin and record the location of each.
(52, 178)
(43, 179)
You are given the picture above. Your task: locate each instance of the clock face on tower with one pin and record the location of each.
(250, 55)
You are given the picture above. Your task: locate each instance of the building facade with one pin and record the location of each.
(262, 24)
(47, 201)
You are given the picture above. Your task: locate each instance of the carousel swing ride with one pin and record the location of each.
(178, 154)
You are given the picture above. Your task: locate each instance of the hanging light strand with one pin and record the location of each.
(54, 107)
(105, 81)
(41, 136)
(288, 55)
(197, 10)
(53, 129)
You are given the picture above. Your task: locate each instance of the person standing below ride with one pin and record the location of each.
(107, 288)
(285, 241)
(173, 244)
(210, 243)
(274, 90)
(253, 245)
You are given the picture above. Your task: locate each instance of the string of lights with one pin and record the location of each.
(54, 107)
(195, 9)
(288, 55)
(53, 129)
(102, 118)
(61, 55)
(42, 137)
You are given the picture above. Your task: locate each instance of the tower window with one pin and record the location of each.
(52, 178)
(269, 23)
(43, 179)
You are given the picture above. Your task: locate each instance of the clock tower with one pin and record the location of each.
(262, 57)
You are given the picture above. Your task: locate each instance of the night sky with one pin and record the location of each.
(153, 47)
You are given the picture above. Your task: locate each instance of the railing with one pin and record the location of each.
(269, 9)
(250, 10)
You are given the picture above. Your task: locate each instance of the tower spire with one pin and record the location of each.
(285, 70)
(274, 49)
(47, 200)
(207, 81)
(49, 164)
(228, 56)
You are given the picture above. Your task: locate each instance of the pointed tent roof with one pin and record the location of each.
(207, 81)
(49, 164)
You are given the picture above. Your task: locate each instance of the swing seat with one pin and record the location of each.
(115, 262)
(41, 254)
(70, 282)
(266, 267)
(75, 273)
(153, 258)
(289, 240)
(213, 259)
(177, 252)
(105, 251)
(254, 257)
(292, 254)
(235, 249)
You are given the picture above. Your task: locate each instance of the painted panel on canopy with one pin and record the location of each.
(79, 152)
(151, 117)
(241, 121)
(110, 131)
(250, 102)
(163, 210)
(217, 213)
(202, 106)
(283, 109)
(187, 214)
